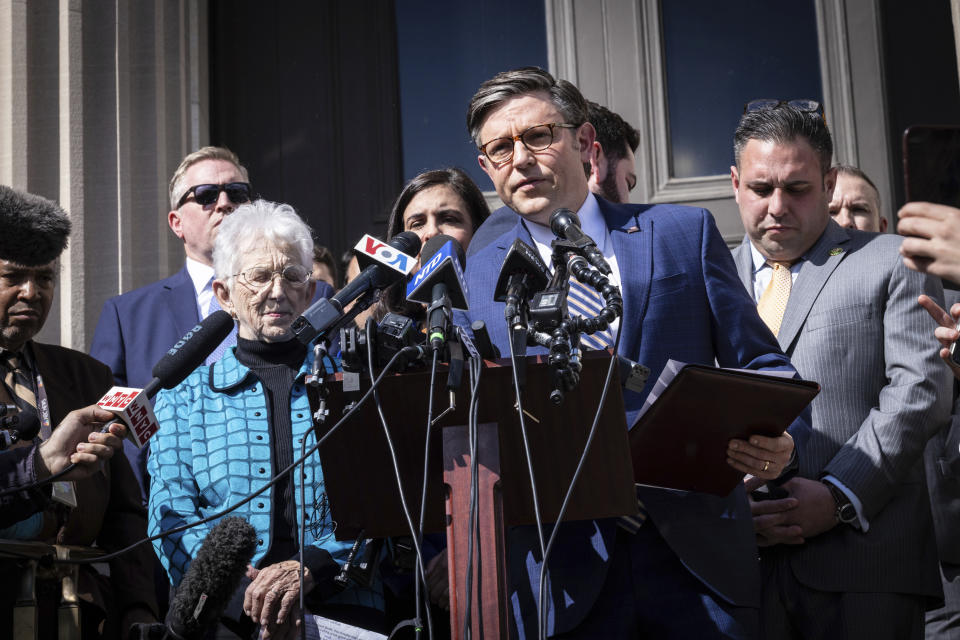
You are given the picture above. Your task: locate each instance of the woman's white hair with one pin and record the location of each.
(256, 224)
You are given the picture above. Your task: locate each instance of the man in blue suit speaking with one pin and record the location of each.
(690, 571)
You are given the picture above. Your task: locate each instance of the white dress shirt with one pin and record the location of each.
(202, 277)
(592, 224)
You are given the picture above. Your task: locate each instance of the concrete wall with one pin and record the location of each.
(99, 101)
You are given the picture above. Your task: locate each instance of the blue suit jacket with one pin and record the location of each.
(682, 300)
(135, 330)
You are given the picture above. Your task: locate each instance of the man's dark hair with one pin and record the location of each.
(783, 125)
(517, 82)
(614, 134)
(323, 255)
(35, 229)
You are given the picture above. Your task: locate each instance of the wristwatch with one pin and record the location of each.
(846, 513)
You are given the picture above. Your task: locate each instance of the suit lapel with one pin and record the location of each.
(818, 265)
(181, 300)
(632, 238)
(62, 394)
(743, 258)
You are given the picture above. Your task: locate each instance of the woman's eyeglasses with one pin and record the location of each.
(259, 277)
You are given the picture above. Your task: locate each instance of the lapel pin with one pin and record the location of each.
(836, 251)
(632, 229)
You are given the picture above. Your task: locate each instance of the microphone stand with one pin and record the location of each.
(553, 324)
(317, 379)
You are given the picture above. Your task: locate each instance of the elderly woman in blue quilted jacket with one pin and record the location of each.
(228, 428)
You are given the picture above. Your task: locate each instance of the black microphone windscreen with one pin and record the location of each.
(561, 219)
(521, 258)
(213, 576)
(407, 242)
(192, 349)
(28, 425)
(436, 243)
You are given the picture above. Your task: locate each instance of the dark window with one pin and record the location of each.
(717, 58)
(444, 52)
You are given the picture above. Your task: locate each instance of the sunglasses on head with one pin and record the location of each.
(769, 104)
(206, 194)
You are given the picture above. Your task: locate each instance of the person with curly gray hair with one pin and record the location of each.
(230, 427)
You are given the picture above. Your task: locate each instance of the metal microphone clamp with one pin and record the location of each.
(316, 380)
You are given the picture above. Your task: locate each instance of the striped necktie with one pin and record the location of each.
(228, 342)
(585, 302)
(18, 381)
(773, 302)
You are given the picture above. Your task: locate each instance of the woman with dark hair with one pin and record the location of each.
(442, 201)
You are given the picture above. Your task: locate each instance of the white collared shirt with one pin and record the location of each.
(762, 272)
(592, 224)
(202, 277)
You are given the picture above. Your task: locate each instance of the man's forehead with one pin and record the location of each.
(11, 266)
(855, 186)
(211, 167)
(781, 159)
(519, 112)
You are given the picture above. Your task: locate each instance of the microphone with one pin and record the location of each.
(522, 273)
(213, 576)
(28, 425)
(189, 352)
(208, 585)
(19, 427)
(440, 284)
(488, 350)
(132, 406)
(381, 264)
(565, 224)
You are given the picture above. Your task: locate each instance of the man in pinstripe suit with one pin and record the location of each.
(850, 552)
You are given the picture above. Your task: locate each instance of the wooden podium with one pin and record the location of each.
(362, 489)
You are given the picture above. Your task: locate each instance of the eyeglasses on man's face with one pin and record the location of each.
(536, 138)
(769, 104)
(207, 194)
(258, 277)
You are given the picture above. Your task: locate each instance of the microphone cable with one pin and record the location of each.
(423, 495)
(573, 481)
(406, 351)
(476, 367)
(420, 571)
(529, 461)
(302, 481)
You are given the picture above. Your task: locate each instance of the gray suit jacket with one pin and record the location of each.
(853, 324)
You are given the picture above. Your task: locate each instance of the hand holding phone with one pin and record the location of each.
(947, 333)
(932, 239)
(931, 217)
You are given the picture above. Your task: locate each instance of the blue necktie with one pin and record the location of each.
(585, 302)
(228, 342)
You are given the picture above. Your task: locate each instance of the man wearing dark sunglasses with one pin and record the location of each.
(136, 328)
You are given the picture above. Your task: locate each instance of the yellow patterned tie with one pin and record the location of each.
(773, 302)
